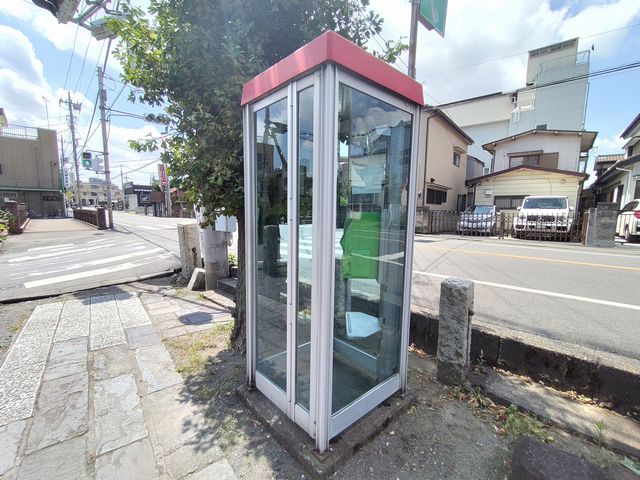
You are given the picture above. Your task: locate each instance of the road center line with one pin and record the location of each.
(540, 259)
(540, 292)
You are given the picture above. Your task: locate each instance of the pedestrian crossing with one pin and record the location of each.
(81, 262)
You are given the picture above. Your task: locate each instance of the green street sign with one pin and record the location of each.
(433, 15)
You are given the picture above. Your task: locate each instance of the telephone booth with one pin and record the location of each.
(330, 148)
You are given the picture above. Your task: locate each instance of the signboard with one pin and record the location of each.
(162, 173)
(433, 14)
(145, 198)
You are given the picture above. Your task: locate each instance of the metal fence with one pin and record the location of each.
(559, 227)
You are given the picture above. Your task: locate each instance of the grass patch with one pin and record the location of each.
(192, 353)
(17, 326)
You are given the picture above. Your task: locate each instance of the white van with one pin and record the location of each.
(543, 215)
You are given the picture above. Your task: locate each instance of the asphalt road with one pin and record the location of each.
(579, 295)
(584, 296)
(56, 256)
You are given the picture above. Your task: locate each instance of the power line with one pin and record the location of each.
(73, 49)
(84, 59)
(383, 47)
(491, 60)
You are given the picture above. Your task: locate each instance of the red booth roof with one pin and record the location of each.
(331, 47)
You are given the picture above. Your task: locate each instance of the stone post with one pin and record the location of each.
(454, 332)
(601, 226)
(215, 255)
(190, 256)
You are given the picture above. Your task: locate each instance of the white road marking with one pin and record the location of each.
(101, 240)
(76, 276)
(63, 245)
(101, 261)
(56, 254)
(541, 292)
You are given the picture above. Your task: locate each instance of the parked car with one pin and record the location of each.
(543, 216)
(478, 219)
(628, 224)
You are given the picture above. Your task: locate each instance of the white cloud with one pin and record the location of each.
(22, 83)
(490, 39)
(606, 145)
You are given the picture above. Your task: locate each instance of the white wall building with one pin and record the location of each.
(554, 98)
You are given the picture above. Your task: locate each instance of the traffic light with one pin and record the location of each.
(98, 164)
(87, 161)
(63, 10)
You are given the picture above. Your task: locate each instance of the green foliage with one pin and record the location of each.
(599, 428)
(191, 57)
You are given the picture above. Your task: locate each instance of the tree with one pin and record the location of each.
(192, 58)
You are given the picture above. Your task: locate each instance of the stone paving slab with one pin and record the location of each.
(111, 362)
(143, 336)
(131, 310)
(10, 436)
(62, 461)
(89, 391)
(61, 413)
(66, 358)
(118, 413)
(220, 470)
(74, 320)
(18, 390)
(174, 419)
(135, 461)
(106, 327)
(157, 368)
(33, 344)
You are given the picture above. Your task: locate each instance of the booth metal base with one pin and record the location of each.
(302, 447)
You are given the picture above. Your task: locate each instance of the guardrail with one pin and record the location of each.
(18, 131)
(97, 217)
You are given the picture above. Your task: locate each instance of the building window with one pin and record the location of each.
(637, 192)
(524, 160)
(508, 202)
(436, 197)
(0, 169)
(456, 159)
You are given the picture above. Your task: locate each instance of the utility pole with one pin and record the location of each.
(413, 38)
(62, 182)
(102, 94)
(72, 126)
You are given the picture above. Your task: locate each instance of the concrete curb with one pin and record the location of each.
(611, 379)
(619, 433)
(139, 278)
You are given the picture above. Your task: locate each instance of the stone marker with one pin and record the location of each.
(454, 333)
(197, 280)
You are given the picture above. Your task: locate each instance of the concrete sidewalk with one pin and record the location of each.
(88, 390)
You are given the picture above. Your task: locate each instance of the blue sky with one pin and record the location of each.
(484, 51)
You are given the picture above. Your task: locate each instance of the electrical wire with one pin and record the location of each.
(491, 60)
(84, 59)
(73, 49)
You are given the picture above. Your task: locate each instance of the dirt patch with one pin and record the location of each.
(450, 433)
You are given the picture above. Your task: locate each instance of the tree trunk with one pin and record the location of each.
(239, 334)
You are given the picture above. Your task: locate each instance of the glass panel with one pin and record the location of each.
(305, 242)
(272, 247)
(374, 155)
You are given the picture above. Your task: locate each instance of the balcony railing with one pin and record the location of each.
(579, 59)
(18, 131)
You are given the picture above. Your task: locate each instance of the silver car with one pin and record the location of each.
(478, 219)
